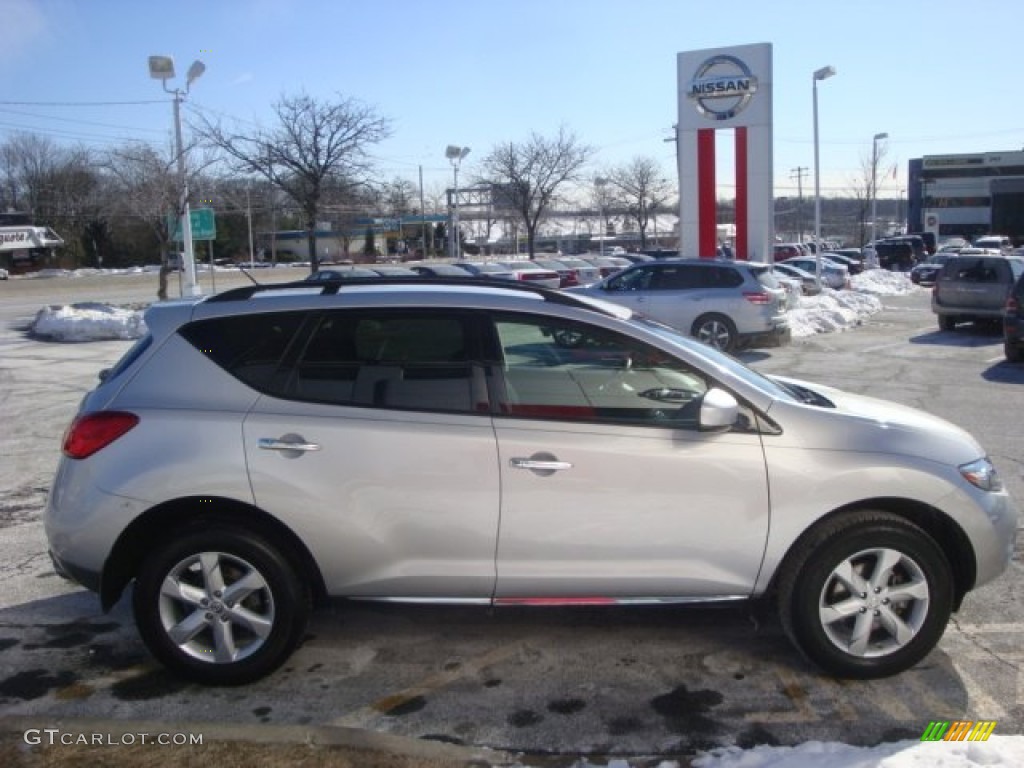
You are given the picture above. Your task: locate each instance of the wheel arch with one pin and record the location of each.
(172, 517)
(945, 531)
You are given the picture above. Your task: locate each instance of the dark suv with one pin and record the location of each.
(974, 286)
(1013, 323)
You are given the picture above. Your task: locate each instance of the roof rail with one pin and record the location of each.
(331, 287)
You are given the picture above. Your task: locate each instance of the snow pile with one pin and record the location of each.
(88, 321)
(1005, 751)
(883, 282)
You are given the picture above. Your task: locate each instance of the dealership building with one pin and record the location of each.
(968, 195)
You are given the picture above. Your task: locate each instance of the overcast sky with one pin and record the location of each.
(938, 76)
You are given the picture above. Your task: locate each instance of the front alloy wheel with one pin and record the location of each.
(866, 595)
(220, 607)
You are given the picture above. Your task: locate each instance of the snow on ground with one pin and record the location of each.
(828, 312)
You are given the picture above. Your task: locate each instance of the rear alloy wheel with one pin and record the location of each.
(220, 607)
(866, 595)
(717, 331)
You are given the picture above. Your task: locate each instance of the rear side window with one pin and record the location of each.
(249, 347)
(407, 360)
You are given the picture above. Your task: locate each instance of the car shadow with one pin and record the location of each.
(1004, 372)
(966, 335)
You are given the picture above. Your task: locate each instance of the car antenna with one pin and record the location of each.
(246, 273)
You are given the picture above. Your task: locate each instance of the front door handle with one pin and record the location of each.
(286, 443)
(553, 466)
(543, 464)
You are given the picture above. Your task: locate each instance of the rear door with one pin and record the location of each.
(374, 443)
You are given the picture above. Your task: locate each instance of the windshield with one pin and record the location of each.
(722, 360)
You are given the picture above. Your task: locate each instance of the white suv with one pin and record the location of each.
(726, 304)
(494, 443)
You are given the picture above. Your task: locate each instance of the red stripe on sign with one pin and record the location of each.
(742, 245)
(707, 208)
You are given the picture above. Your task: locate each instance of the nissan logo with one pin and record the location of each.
(722, 87)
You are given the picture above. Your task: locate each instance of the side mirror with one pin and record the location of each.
(718, 411)
(104, 374)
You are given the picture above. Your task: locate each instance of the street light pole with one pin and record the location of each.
(456, 155)
(820, 74)
(162, 68)
(874, 189)
(600, 183)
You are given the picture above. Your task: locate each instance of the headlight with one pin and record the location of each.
(982, 474)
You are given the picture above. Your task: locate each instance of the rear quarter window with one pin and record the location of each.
(249, 347)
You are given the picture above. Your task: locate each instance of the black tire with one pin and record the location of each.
(1014, 353)
(913, 595)
(947, 322)
(232, 633)
(715, 330)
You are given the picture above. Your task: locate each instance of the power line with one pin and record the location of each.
(79, 103)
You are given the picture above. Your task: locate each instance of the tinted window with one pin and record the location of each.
(249, 347)
(568, 371)
(420, 361)
(676, 277)
(632, 280)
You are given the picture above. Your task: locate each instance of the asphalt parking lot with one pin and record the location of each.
(647, 683)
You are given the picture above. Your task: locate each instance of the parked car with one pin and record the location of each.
(808, 281)
(834, 275)
(974, 286)
(895, 255)
(4, 274)
(608, 265)
(340, 273)
(926, 272)
(725, 304)
(439, 270)
(487, 269)
(999, 243)
(387, 270)
(853, 266)
(586, 273)
(495, 443)
(1013, 323)
(783, 251)
(567, 276)
(529, 271)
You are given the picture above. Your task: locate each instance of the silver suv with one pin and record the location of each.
(726, 304)
(974, 285)
(488, 443)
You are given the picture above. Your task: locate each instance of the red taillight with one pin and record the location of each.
(1012, 305)
(93, 431)
(755, 297)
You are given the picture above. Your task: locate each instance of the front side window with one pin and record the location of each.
(410, 360)
(560, 369)
(632, 280)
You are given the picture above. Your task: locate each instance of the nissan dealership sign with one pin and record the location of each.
(722, 87)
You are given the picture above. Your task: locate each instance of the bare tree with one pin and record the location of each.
(864, 187)
(315, 145)
(639, 188)
(532, 172)
(147, 186)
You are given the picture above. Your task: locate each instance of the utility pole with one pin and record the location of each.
(799, 172)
